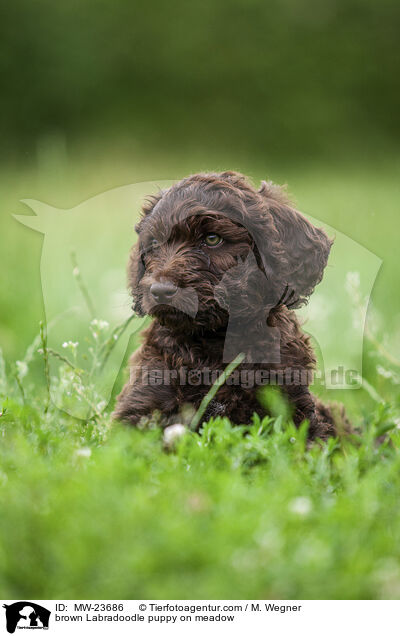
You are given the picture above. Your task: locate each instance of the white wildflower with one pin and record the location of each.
(22, 368)
(83, 452)
(301, 506)
(389, 375)
(100, 325)
(173, 433)
(70, 345)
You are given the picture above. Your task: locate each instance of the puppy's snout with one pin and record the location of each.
(163, 291)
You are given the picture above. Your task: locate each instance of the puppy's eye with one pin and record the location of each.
(153, 243)
(212, 240)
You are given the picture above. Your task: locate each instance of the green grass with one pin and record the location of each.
(97, 510)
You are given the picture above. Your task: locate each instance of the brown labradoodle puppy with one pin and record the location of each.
(221, 266)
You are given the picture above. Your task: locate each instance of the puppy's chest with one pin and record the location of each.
(192, 353)
(194, 365)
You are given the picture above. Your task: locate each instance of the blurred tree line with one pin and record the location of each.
(283, 76)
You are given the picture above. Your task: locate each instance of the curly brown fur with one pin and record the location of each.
(237, 296)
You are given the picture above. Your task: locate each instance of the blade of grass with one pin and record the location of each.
(213, 391)
(372, 392)
(112, 341)
(81, 284)
(64, 359)
(43, 339)
(3, 376)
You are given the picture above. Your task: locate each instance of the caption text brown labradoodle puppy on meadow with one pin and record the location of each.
(221, 266)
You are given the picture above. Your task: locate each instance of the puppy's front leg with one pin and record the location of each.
(146, 391)
(304, 407)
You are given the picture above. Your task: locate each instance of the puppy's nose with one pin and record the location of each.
(162, 292)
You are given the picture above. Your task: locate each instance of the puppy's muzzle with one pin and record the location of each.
(163, 291)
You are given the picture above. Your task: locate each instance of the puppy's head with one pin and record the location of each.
(211, 230)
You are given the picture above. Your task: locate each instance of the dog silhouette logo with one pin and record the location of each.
(88, 308)
(26, 615)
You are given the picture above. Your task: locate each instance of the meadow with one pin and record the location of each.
(93, 509)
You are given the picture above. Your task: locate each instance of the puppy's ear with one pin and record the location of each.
(136, 270)
(301, 249)
(136, 265)
(151, 201)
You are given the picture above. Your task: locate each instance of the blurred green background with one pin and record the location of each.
(298, 78)
(97, 95)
